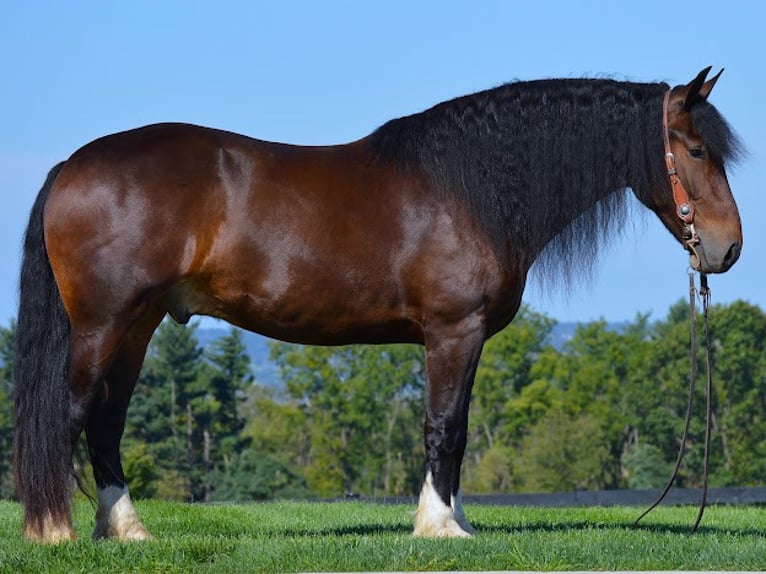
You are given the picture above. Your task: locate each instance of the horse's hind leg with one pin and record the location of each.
(452, 355)
(115, 516)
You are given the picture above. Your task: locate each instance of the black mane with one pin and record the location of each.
(526, 156)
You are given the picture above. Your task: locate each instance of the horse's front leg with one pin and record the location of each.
(452, 355)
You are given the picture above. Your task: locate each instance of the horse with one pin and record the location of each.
(422, 232)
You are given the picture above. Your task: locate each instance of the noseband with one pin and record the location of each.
(684, 207)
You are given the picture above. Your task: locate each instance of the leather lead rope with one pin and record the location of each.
(704, 293)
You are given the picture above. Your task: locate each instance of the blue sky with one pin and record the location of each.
(330, 72)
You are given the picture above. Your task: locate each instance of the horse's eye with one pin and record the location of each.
(697, 153)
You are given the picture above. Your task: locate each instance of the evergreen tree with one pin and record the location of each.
(217, 422)
(230, 377)
(255, 476)
(7, 342)
(161, 416)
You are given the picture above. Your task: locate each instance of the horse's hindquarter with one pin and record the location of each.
(314, 245)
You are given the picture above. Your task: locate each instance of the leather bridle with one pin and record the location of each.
(684, 207)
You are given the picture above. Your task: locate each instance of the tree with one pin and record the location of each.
(645, 467)
(141, 469)
(250, 475)
(504, 371)
(503, 378)
(159, 414)
(660, 417)
(215, 410)
(276, 427)
(359, 405)
(597, 369)
(657, 399)
(7, 343)
(490, 471)
(229, 379)
(738, 341)
(606, 410)
(563, 452)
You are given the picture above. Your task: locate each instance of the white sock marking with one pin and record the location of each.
(435, 519)
(116, 517)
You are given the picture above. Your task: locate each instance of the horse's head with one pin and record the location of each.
(697, 205)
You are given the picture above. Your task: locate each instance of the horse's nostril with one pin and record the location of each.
(731, 255)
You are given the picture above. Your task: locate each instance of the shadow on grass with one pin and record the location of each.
(646, 526)
(355, 530)
(515, 529)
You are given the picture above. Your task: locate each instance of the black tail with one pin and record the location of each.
(43, 441)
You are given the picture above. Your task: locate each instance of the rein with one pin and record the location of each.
(685, 211)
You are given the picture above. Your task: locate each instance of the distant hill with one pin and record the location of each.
(266, 372)
(562, 333)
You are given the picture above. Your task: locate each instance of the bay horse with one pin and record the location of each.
(422, 232)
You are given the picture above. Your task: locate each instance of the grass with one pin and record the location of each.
(353, 536)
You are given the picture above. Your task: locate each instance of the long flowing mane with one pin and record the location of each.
(525, 156)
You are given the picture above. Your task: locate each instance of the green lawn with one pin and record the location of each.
(297, 536)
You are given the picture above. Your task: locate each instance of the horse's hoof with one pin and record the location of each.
(131, 533)
(448, 529)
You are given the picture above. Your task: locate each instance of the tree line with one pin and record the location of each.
(603, 411)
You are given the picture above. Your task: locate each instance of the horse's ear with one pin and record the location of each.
(708, 86)
(699, 88)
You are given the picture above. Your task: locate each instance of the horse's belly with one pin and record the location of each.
(313, 307)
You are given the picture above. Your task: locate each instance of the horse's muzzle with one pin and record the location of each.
(714, 259)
